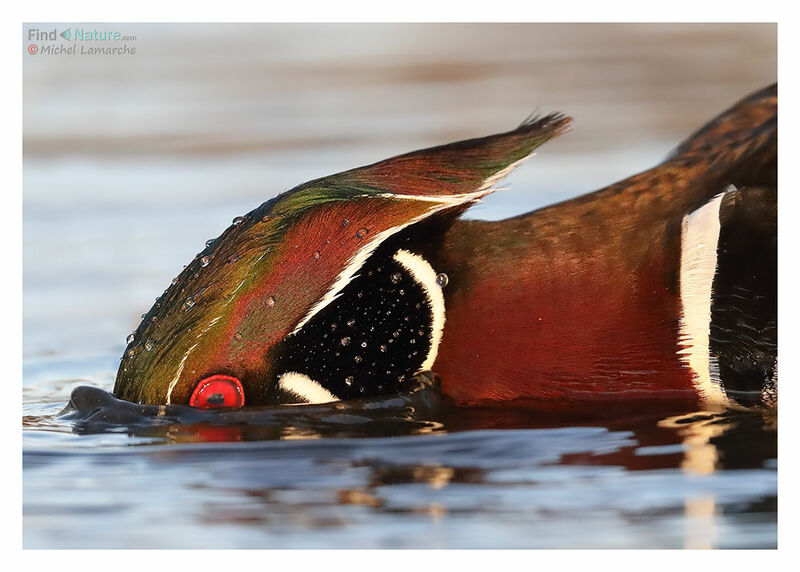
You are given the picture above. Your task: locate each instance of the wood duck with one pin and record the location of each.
(663, 285)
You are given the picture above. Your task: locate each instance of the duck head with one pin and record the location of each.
(313, 296)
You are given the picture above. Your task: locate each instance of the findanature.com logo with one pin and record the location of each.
(81, 41)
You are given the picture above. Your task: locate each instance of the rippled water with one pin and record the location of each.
(131, 163)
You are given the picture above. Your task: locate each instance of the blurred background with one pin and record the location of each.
(131, 162)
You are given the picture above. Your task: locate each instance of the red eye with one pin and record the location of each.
(218, 391)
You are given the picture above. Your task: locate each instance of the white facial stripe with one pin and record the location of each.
(425, 275)
(178, 373)
(699, 239)
(305, 387)
(361, 255)
(503, 173)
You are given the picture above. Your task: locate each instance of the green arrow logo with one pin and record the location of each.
(65, 34)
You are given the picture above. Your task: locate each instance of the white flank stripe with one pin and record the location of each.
(303, 386)
(425, 275)
(699, 240)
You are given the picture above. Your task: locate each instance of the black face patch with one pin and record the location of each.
(368, 341)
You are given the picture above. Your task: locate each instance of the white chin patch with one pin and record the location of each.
(424, 274)
(305, 388)
(699, 239)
